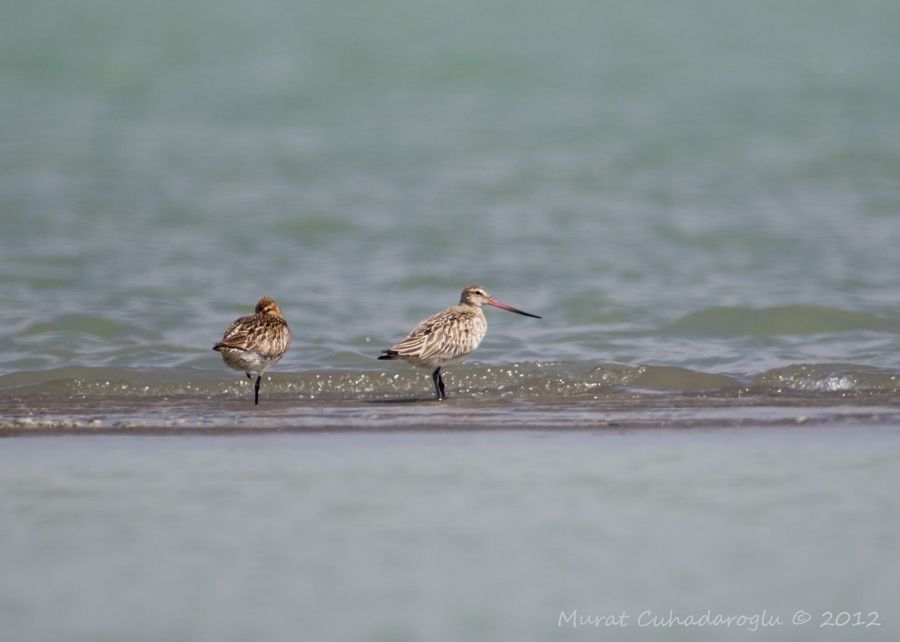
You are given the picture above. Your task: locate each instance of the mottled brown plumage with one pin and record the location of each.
(448, 336)
(256, 342)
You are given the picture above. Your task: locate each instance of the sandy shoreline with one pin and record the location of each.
(55, 415)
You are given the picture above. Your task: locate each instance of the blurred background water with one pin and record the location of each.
(707, 185)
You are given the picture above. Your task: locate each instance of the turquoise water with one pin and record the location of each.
(702, 185)
(701, 199)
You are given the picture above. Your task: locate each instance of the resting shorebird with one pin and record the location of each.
(448, 336)
(256, 342)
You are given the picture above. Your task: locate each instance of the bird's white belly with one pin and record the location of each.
(435, 362)
(247, 361)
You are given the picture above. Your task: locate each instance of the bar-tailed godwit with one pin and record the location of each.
(448, 336)
(256, 342)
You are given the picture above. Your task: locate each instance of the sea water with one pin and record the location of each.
(701, 185)
(700, 198)
(452, 536)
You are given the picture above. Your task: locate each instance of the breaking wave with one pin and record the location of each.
(544, 381)
(726, 321)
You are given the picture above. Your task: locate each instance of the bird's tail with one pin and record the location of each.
(221, 345)
(388, 354)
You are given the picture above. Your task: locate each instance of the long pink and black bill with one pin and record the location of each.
(509, 308)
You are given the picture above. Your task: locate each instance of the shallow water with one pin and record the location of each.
(448, 536)
(713, 188)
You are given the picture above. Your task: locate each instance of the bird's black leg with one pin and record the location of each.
(256, 390)
(438, 384)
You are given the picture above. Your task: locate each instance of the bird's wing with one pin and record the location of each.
(263, 334)
(446, 335)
